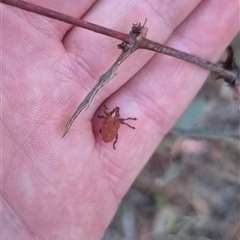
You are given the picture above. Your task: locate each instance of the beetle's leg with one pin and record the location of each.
(101, 116)
(100, 130)
(123, 119)
(128, 125)
(115, 141)
(122, 122)
(105, 112)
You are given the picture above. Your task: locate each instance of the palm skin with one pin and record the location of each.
(69, 188)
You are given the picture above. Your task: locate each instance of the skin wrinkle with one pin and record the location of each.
(5, 174)
(17, 222)
(108, 171)
(89, 75)
(109, 174)
(19, 219)
(14, 139)
(57, 28)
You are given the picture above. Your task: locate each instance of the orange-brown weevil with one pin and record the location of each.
(111, 124)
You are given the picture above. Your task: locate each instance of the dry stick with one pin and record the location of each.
(132, 43)
(146, 44)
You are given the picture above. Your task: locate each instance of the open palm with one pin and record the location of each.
(69, 188)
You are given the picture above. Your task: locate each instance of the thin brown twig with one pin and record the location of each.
(145, 44)
(133, 41)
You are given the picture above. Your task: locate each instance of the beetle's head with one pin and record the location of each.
(115, 112)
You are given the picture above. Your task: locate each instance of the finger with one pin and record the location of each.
(161, 91)
(182, 80)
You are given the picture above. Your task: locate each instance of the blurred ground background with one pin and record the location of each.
(189, 189)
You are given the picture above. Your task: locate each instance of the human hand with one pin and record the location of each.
(69, 188)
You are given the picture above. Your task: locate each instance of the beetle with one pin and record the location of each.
(111, 124)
